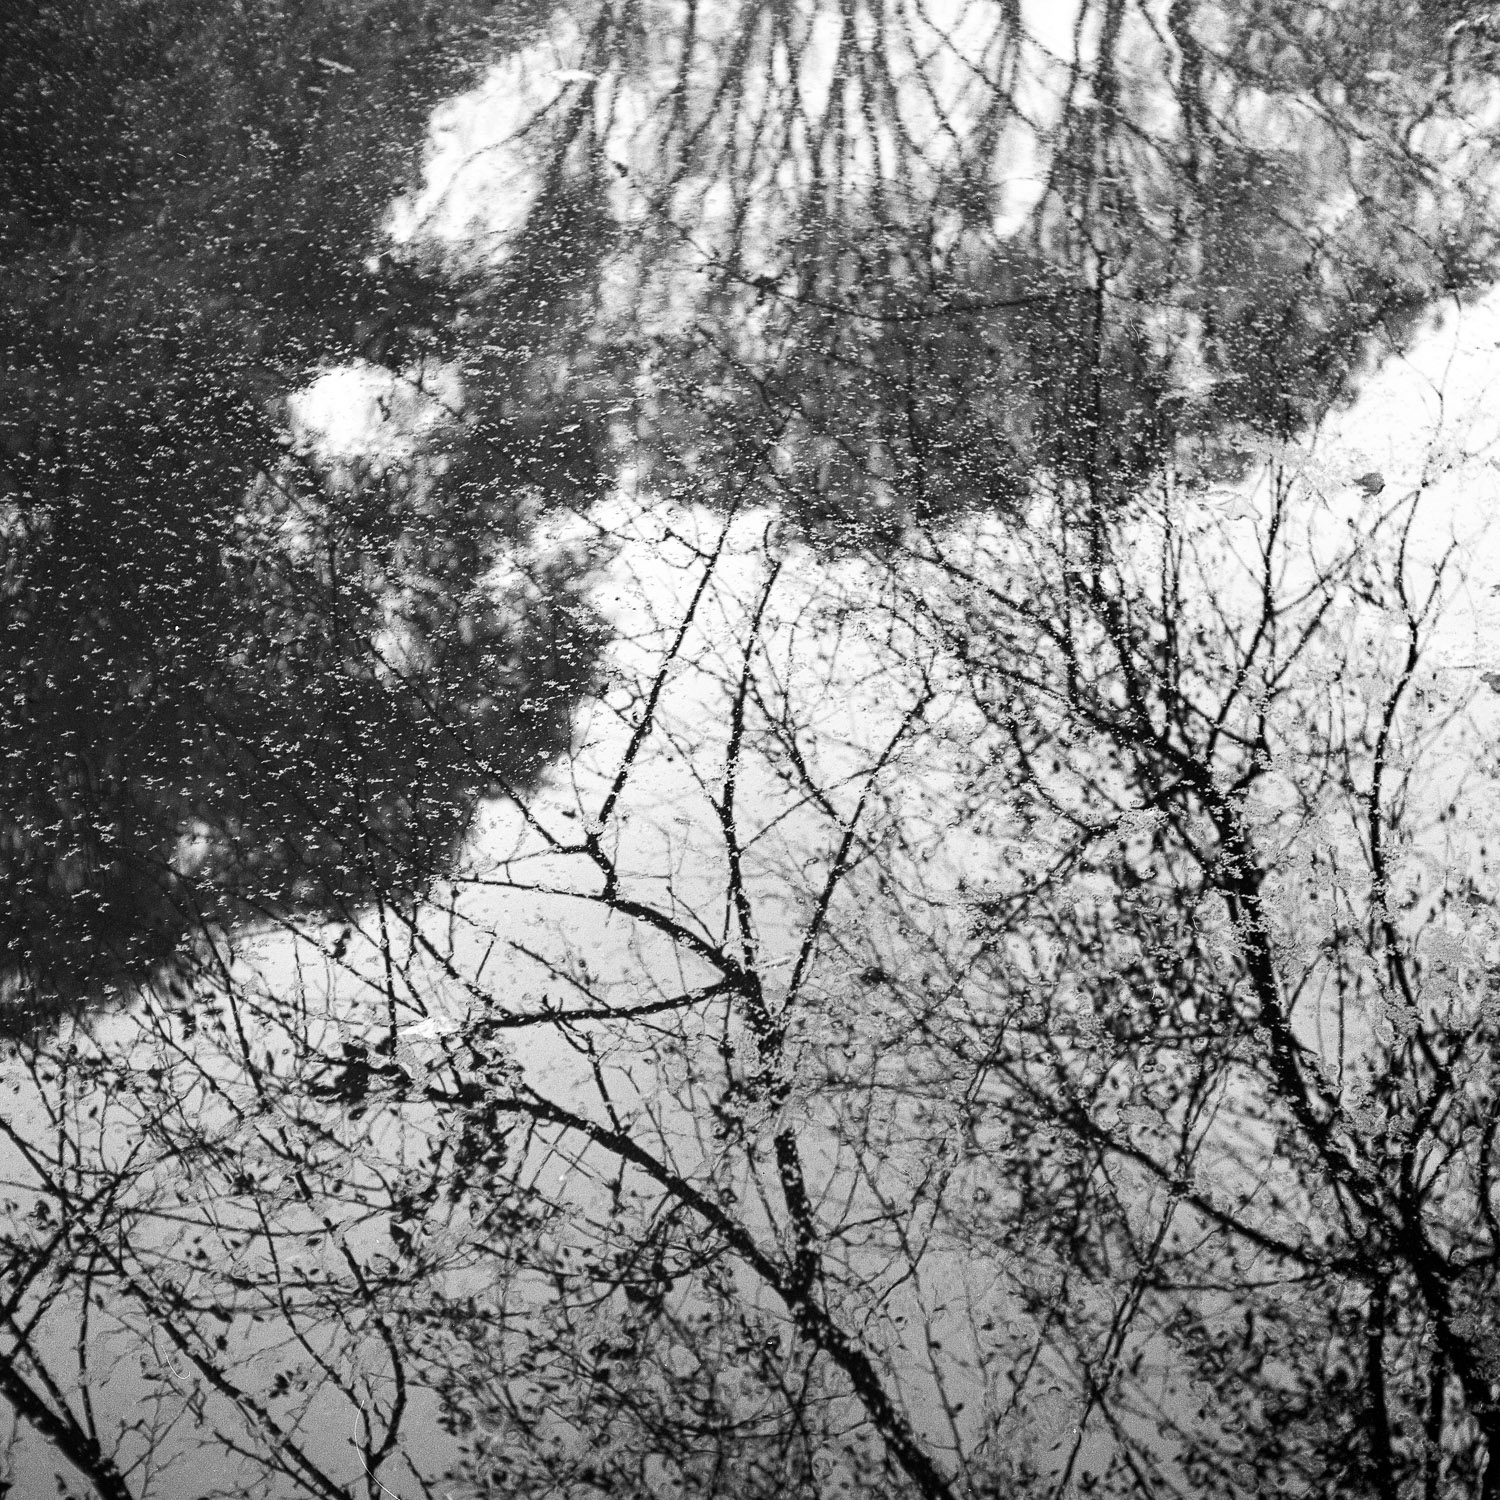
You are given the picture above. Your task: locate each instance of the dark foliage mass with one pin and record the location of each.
(198, 719)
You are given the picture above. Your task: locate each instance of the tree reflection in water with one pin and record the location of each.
(239, 681)
(987, 994)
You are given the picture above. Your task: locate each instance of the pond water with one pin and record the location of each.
(748, 750)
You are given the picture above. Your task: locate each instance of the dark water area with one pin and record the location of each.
(240, 678)
(746, 749)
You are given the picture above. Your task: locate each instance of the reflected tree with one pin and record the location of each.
(1242, 1046)
(896, 262)
(996, 997)
(1147, 1149)
(235, 673)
